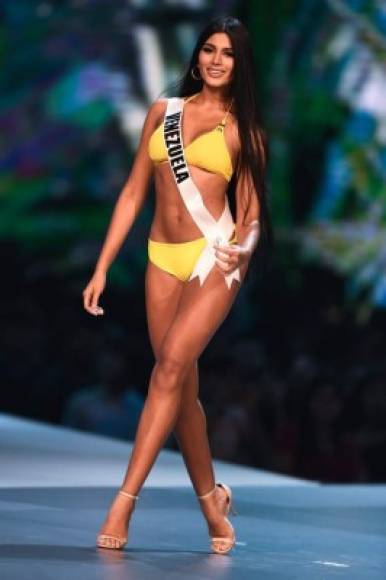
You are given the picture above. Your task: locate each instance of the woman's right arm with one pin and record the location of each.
(126, 209)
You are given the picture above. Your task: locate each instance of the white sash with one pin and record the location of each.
(214, 231)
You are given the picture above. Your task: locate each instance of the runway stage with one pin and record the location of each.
(56, 485)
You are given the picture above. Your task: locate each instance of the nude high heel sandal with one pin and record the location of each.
(104, 540)
(216, 542)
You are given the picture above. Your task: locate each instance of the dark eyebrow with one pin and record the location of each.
(214, 46)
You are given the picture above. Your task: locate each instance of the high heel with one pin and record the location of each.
(227, 506)
(104, 540)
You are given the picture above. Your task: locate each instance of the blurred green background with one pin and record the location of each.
(77, 78)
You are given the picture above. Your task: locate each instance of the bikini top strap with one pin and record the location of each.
(222, 123)
(226, 114)
(189, 98)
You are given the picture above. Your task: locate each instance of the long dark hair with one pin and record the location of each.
(254, 150)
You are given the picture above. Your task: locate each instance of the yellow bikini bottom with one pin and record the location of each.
(180, 258)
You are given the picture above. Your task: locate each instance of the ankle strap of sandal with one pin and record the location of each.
(122, 492)
(207, 494)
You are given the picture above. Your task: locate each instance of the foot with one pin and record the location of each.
(214, 508)
(116, 522)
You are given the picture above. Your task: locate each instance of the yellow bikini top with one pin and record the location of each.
(207, 151)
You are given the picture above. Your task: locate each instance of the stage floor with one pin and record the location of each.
(56, 485)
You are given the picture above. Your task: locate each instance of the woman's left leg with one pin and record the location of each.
(190, 431)
(162, 293)
(201, 309)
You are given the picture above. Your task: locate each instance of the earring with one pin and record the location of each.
(193, 75)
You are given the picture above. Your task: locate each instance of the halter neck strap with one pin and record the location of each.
(222, 122)
(191, 97)
(227, 113)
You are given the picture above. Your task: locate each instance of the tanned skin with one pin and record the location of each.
(182, 316)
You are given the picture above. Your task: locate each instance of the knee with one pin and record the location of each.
(169, 372)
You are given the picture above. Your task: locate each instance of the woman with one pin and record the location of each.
(185, 304)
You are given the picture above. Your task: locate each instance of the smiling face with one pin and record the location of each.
(216, 60)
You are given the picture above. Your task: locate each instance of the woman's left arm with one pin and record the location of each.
(247, 217)
(247, 228)
(247, 225)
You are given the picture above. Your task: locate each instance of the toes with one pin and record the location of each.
(217, 547)
(105, 541)
(222, 546)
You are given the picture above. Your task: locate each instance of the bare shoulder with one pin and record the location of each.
(233, 129)
(153, 118)
(157, 109)
(233, 132)
(234, 137)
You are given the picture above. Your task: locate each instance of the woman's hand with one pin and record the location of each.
(230, 257)
(92, 292)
